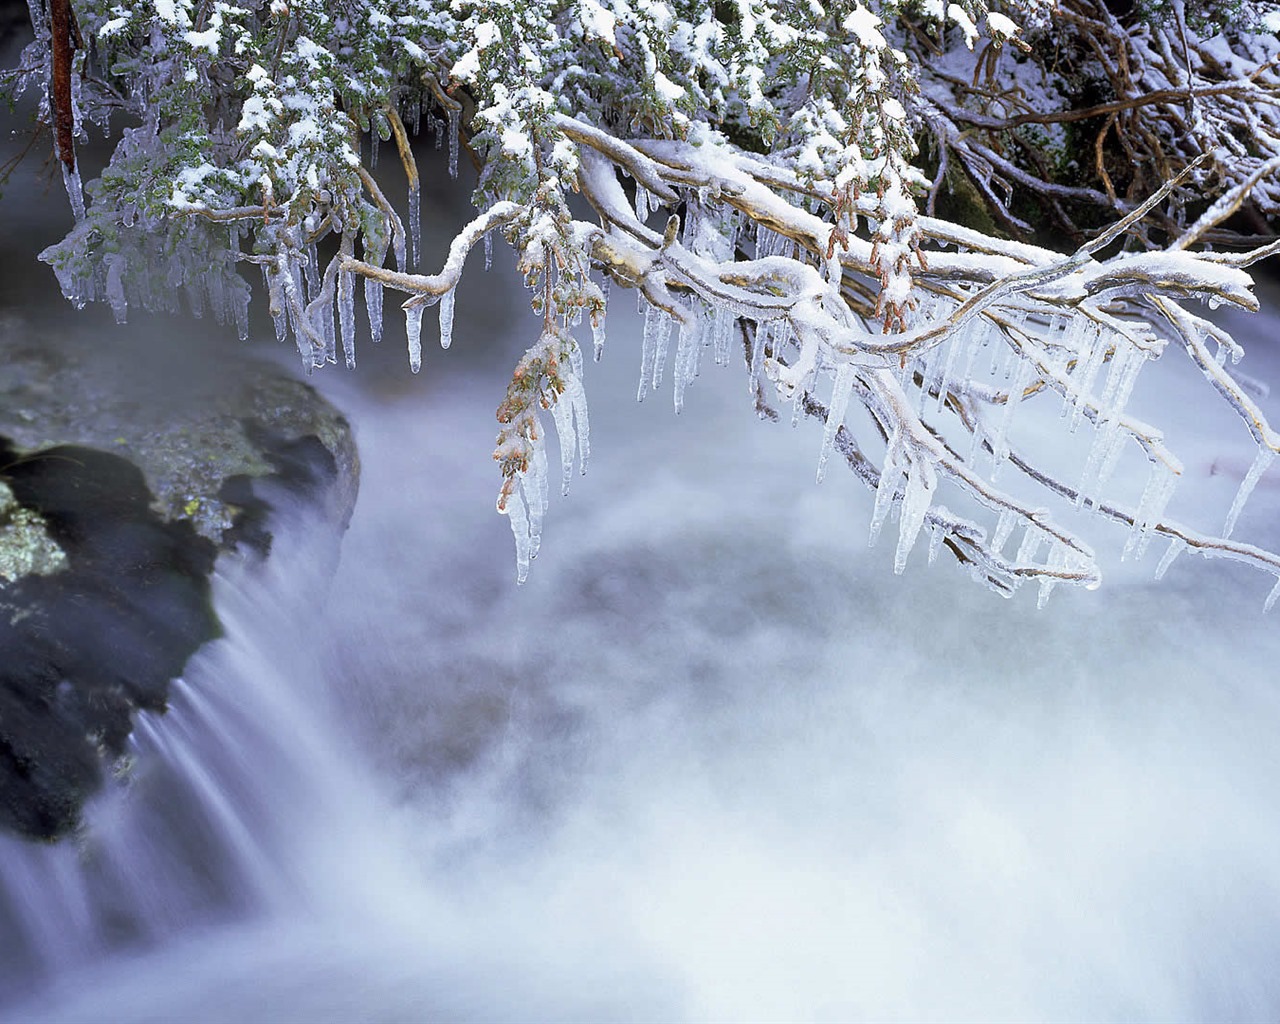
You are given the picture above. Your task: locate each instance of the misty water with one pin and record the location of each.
(714, 761)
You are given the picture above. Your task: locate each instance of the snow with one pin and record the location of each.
(866, 27)
(961, 17)
(667, 89)
(1001, 27)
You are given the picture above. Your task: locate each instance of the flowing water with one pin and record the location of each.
(713, 762)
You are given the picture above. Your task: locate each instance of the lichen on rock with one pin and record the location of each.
(26, 549)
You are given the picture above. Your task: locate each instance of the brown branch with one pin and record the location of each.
(1156, 98)
(60, 83)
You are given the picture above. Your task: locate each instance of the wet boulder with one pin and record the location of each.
(125, 472)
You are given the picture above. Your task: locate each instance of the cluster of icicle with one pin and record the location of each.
(991, 365)
(548, 376)
(1092, 368)
(319, 309)
(212, 285)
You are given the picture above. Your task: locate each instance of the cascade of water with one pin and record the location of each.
(197, 827)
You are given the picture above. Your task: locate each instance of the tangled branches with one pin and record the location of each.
(1080, 127)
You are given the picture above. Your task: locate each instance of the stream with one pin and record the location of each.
(714, 761)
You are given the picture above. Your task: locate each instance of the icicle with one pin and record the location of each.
(840, 392)
(936, 537)
(75, 192)
(954, 344)
(998, 350)
(562, 413)
(1108, 443)
(324, 316)
(1086, 375)
(1161, 482)
(782, 336)
(217, 295)
(1004, 529)
(904, 373)
(757, 355)
(377, 255)
(1260, 463)
(1271, 597)
(976, 337)
(1128, 374)
(240, 309)
(514, 509)
(660, 347)
(582, 423)
(643, 205)
(291, 284)
(539, 497)
(415, 222)
(1107, 405)
(373, 307)
(278, 304)
(922, 481)
(373, 148)
(488, 250)
(398, 246)
(446, 318)
(768, 242)
(115, 287)
(413, 331)
(195, 299)
(1176, 546)
(598, 321)
(722, 334)
(1058, 558)
(1030, 546)
(1076, 343)
(454, 119)
(686, 348)
(312, 272)
(648, 348)
(887, 489)
(347, 316)
(1046, 588)
(999, 442)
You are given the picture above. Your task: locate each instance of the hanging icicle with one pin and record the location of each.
(454, 129)
(598, 321)
(347, 316)
(415, 222)
(1261, 461)
(413, 332)
(648, 348)
(840, 393)
(1176, 546)
(446, 318)
(890, 476)
(921, 482)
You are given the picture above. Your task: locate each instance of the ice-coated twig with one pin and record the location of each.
(1101, 341)
(463, 242)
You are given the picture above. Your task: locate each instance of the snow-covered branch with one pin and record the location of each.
(757, 172)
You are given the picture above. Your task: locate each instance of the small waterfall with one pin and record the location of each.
(197, 826)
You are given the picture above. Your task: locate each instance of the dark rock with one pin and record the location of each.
(84, 647)
(124, 472)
